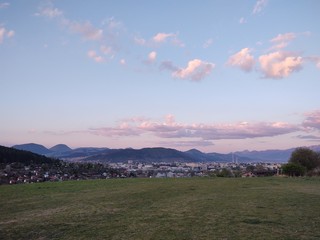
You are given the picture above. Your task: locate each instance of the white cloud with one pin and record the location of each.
(196, 70)
(4, 33)
(259, 6)
(123, 61)
(152, 56)
(93, 55)
(280, 64)
(243, 60)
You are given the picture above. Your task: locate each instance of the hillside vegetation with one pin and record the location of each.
(194, 208)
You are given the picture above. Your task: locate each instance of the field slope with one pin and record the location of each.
(196, 208)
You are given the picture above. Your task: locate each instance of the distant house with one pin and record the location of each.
(161, 175)
(248, 174)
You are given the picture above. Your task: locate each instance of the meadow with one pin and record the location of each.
(191, 208)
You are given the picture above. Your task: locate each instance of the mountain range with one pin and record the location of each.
(156, 154)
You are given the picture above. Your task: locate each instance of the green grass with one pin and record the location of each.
(196, 208)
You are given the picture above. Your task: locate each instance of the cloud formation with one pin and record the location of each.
(86, 30)
(280, 64)
(243, 60)
(93, 55)
(4, 33)
(282, 40)
(309, 137)
(312, 120)
(187, 143)
(106, 35)
(123, 130)
(152, 56)
(169, 128)
(259, 6)
(160, 38)
(196, 70)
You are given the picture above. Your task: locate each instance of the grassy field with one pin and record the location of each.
(196, 208)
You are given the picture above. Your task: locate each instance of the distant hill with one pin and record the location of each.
(60, 148)
(10, 155)
(82, 152)
(143, 155)
(157, 154)
(33, 147)
(272, 155)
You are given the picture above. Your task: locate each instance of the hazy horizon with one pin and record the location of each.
(220, 76)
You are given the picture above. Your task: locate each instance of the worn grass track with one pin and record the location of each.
(196, 208)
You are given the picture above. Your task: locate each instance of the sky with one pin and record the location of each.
(216, 75)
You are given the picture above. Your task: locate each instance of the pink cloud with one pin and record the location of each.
(280, 64)
(240, 130)
(162, 37)
(123, 61)
(88, 31)
(196, 70)
(314, 59)
(93, 55)
(106, 49)
(4, 33)
(123, 130)
(284, 37)
(199, 134)
(187, 143)
(282, 40)
(259, 6)
(169, 128)
(312, 120)
(243, 60)
(152, 56)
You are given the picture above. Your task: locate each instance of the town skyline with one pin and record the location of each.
(220, 76)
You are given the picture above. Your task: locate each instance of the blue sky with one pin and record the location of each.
(219, 76)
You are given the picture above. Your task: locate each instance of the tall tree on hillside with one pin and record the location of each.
(305, 157)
